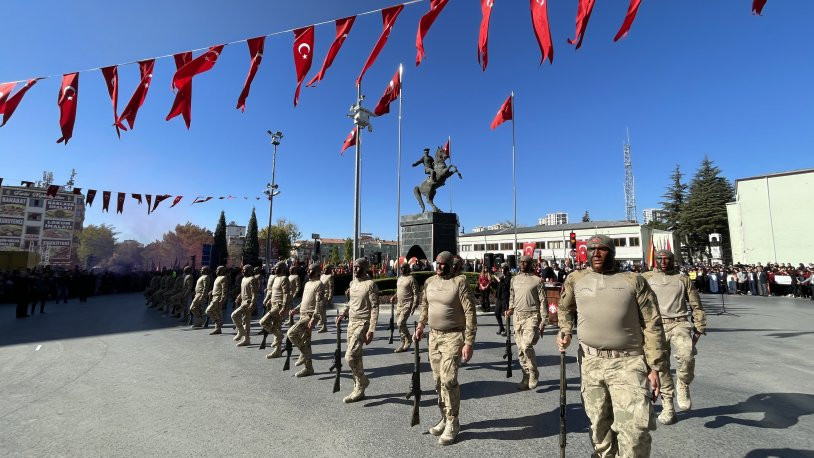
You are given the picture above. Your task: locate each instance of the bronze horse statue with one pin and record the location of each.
(428, 187)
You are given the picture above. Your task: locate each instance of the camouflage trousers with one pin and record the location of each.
(196, 307)
(445, 358)
(526, 335)
(680, 343)
(242, 318)
(271, 322)
(321, 316)
(215, 312)
(357, 330)
(402, 315)
(301, 336)
(616, 398)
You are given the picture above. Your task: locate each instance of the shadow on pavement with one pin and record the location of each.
(779, 453)
(546, 424)
(780, 411)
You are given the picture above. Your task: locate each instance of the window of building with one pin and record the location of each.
(480, 247)
(34, 217)
(634, 241)
(491, 246)
(34, 202)
(466, 247)
(507, 246)
(620, 242)
(539, 245)
(32, 230)
(555, 245)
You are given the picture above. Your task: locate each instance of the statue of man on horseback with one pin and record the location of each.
(437, 172)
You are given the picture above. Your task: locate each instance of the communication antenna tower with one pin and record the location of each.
(630, 191)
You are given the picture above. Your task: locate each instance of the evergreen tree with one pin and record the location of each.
(705, 210)
(251, 245)
(220, 252)
(586, 218)
(349, 250)
(673, 202)
(334, 256)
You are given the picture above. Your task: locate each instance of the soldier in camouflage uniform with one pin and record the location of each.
(447, 306)
(327, 280)
(202, 288)
(622, 349)
(313, 295)
(215, 309)
(674, 292)
(277, 293)
(234, 291)
(242, 315)
(187, 292)
(296, 286)
(363, 311)
(165, 284)
(526, 293)
(155, 283)
(407, 299)
(172, 297)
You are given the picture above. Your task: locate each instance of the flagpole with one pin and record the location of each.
(449, 142)
(357, 172)
(398, 174)
(514, 177)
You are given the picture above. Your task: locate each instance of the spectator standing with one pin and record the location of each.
(502, 297)
(485, 289)
(21, 292)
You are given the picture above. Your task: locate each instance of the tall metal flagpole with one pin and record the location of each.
(514, 179)
(361, 118)
(449, 143)
(398, 174)
(271, 191)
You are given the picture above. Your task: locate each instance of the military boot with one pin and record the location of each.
(216, 331)
(524, 384)
(358, 392)
(300, 361)
(683, 396)
(237, 336)
(306, 371)
(245, 342)
(442, 423)
(450, 432)
(404, 346)
(323, 329)
(275, 354)
(668, 413)
(534, 379)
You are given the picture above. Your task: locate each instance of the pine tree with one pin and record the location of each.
(349, 250)
(586, 218)
(334, 256)
(673, 202)
(220, 252)
(705, 210)
(251, 245)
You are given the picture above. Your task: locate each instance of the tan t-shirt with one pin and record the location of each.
(247, 291)
(312, 296)
(364, 301)
(526, 293)
(407, 292)
(202, 285)
(219, 290)
(278, 289)
(294, 286)
(674, 292)
(446, 306)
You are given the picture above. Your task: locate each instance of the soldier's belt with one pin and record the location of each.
(526, 313)
(446, 331)
(674, 320)
(608, 353)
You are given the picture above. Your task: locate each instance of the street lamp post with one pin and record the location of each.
(361, 118)
(270, 192)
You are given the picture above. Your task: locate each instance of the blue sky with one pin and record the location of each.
(693, 78)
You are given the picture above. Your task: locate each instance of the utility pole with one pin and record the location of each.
(361, 118)
(630, 191)
(270, 192)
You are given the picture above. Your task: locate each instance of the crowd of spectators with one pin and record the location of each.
(755, 280)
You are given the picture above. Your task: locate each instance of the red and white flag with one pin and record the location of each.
(436, 6)
(350, 140)
(447, 147)
(187, 68)
(757, 6)
(483, 35)
(120, 202)
(149, 198)
(197, 200)
(343, 27)
(539, 19)
(111, 75)
(303, 55)
(506, 113)
(67, 100)
(105, 200)
(528, 249)
(178, 199)
(584, 10)
(89, 198)
(256, 46)
(137, 99)
(632, 9)
(391, 93)
(389, 16)
(160, 198)
(9, 104)
(137, 197)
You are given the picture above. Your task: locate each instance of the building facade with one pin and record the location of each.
(771, 218)
(553, 219)
(652, 214)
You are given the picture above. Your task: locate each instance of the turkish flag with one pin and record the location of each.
(52, 190)
(9, 104)
(391, 93)
(424, 26)
(120, 202)
(447, 148)
(67, 100)
(137, 197)
(197, 200)
(757, 6)
(137, 99)
(111, 75)
(350, 140)
(256, 46)
(632, 9)
(528, 249)
(303, 55)
(389, 16)
(160, 198)
(105, 200)
(483, 35)
(91, 195)
(149, 198)
(178, 199)
(187, 67)
(343, 27)
(539, 19)
(505, 113)
(582, 251)
(584, 9)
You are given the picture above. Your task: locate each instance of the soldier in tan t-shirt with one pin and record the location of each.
(407, 299)
(218, 294)
(295, 284)
(363, 311)
(242, 315)
(675, 292)
(621, 346)
(202, 287)
(277, 293)
(447, 307)
(327, 280)
(300, 334)
(526, 293)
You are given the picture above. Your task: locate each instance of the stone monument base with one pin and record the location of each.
(424, 235)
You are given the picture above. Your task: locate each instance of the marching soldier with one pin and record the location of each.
(155, 283)
(174, 295)
(187, 291)
(257, 278)
(363, 311)
(277, 295)
(295, 286)
(313, 296)
(202, 288)
(621, 346)
(234, 291)
(674, 292)
(526, 293)
(243, 313)
(327, 280)
(218, 294)
(407, 299)
(446, 306)
(166, 283)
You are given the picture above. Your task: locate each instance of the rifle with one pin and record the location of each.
(562, 402)
(508, 355)
(288, 349)
(392, 326)
(263, 343)
(206, 322)
(337, 357)
(415, 385)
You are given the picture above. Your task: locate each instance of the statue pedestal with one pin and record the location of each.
(424, 235)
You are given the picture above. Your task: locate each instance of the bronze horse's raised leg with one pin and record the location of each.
(417, 194)
(430, 197)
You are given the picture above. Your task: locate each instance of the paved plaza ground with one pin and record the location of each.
(113, 378)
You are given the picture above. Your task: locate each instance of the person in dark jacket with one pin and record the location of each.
(502, 298)
(21, 292)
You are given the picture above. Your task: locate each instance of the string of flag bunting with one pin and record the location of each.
(187, 66)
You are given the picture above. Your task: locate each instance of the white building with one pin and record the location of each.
(771, 218)
(652, 214)
(553, 219)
